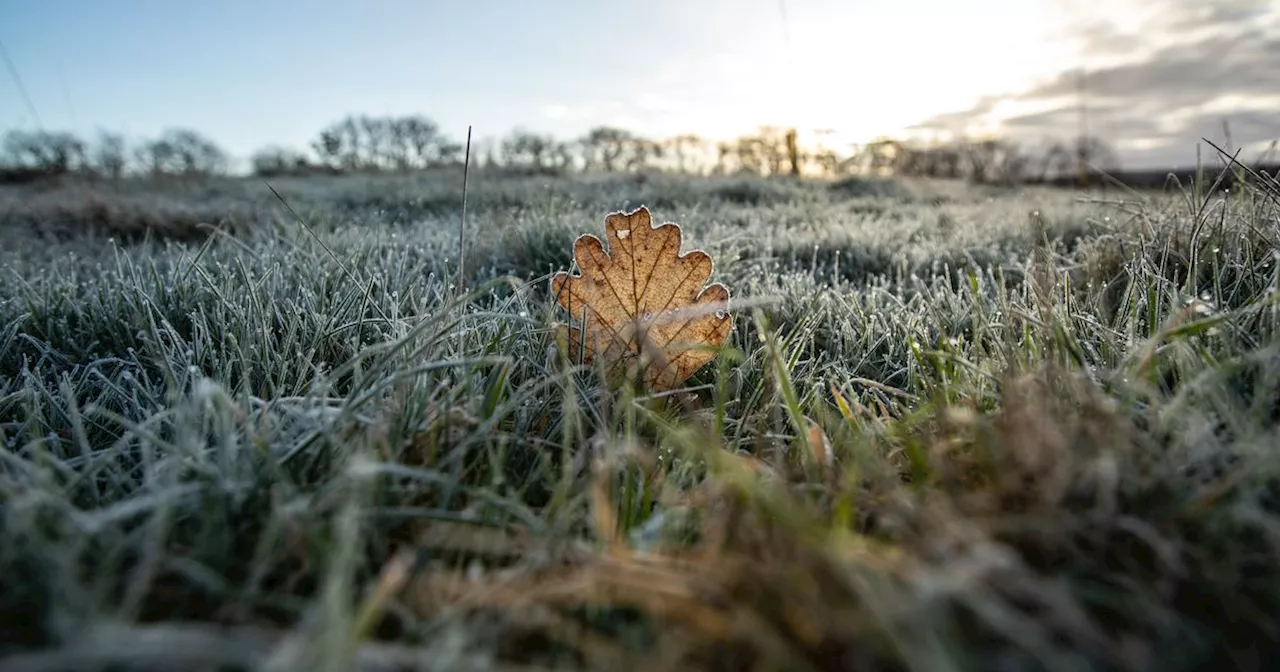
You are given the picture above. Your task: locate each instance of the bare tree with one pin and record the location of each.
(947, 161)
(181, 152)
(353, 156)
(110, 156)
(826, 160)
(1097, 154)
(562, 156)
(1056, 162)
(423, 138)
(750, 152)
(155, 157)
(397, 134)
(688, 152)
(340, 145)
(1012, 164)
(44, 152)
(981, 157)
(640, 153)
(329, 147)
(525, 149)
(726, 153)
(604, 148)
(772, 147)
(195, 154)
(877, 157)
(793, 152)
(376, 143)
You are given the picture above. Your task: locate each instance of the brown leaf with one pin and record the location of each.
(643, 306)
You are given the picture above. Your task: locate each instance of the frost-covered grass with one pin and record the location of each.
(270, 446)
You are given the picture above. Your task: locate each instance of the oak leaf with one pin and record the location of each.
(642, 307)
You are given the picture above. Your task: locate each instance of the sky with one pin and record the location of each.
(1158, 74)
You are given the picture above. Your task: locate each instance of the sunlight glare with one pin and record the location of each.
(861, 72)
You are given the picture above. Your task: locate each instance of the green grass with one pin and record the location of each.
(259, 445)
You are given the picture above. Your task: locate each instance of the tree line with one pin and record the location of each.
(365, 144)
(28, 155)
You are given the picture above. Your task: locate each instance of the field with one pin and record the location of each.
(241, 436)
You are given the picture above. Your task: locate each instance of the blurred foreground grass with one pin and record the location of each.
(232, 442)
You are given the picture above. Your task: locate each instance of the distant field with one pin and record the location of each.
(1053, 417)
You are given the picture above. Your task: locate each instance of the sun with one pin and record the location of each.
(862, 73)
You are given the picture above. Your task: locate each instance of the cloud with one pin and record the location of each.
(1159, 76)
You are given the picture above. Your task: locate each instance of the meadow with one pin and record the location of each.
(244, 435)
